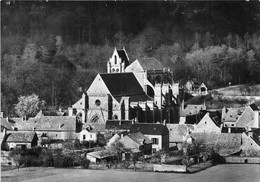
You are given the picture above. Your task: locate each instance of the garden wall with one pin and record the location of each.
(248, 160)
(169, 168)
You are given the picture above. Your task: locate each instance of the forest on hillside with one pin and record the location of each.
(55, 49)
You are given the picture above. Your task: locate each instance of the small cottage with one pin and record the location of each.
(22, 140)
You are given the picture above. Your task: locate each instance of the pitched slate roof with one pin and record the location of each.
(230, 140)
(139, 138)
(177, 132)
(118, 125)
(193, 109)
(123, 56)
(101, 154)
(254, 107)
(247, 119)
(48, 123)
(232, 114)
(124, 84)
(95, 127)
(25, 137)
(149, 129)
(150, 64)
(5, 123)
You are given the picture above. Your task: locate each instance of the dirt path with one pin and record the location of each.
(220, 173)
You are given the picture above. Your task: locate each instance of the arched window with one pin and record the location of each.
(115, 59)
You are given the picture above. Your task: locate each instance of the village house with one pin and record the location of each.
(157, 133)
(135, 143)
(240, 119)
(208, 124)
(23, 140)
(251, 142)
(116, 137)
(5, 127)
(190, 113)
(225, 143)
(51, 127)
(194, 88)
(179, 134)
(89, 133)
(98, 156)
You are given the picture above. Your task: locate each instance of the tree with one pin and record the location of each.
(29, 105)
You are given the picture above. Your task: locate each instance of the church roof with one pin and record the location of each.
(150, 64)
(124, 84)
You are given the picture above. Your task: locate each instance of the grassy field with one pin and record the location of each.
(220, 173)
(240, 90)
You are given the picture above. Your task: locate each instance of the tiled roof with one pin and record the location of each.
(233, 114)
(123, 56)
(64, 123)
(96, 127)
(101, 154)
(149, 129)
(139, 138)
(247, 119)
(118, 125)
(193, 109)
(124, 84)
(177, 132)
(230, 140)
(150, 64)
(25, 137)
(5, 123)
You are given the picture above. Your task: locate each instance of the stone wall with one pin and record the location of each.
(250, 160)
(169, 168)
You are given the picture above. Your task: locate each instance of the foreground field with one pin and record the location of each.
(220, 173)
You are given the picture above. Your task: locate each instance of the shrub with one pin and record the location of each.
(84, 163)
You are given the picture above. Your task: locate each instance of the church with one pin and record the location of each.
(142, 91)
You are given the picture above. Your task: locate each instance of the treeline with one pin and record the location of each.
(55, 49)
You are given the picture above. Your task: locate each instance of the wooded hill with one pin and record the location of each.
(55, 49)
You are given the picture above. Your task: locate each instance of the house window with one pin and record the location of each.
(232, 125)
(97, 102)
(90, 136)
(154, 150)
(155, 140)
(115, 116)
(84, 137)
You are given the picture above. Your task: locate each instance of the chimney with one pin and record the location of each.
(164, 122)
